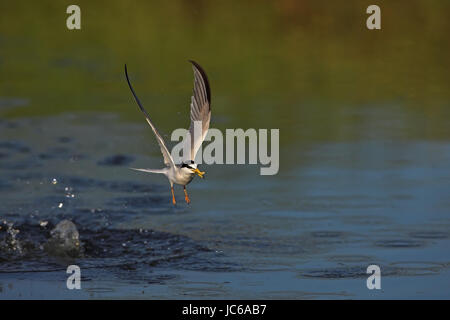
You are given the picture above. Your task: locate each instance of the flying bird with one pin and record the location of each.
(183, 173)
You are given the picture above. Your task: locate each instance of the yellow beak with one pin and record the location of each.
(198, 172)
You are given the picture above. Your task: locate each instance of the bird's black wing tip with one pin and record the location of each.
(205, 79)
(197, 66)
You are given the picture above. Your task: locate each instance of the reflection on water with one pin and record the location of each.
(364, 134)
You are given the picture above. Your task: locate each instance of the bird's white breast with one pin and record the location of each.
(183, 176)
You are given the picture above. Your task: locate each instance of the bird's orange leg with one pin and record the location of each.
(173, 196)
(186, 197)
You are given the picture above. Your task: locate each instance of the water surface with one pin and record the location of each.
(308, 232)
(364, 150)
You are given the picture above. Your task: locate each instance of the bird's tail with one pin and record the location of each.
(163, 171)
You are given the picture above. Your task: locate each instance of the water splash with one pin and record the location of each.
(10, 244)
(65, 240)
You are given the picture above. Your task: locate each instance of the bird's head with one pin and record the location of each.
(193, 168)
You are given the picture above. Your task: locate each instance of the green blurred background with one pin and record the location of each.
(295, 65)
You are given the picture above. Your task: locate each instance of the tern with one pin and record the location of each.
(183, 173)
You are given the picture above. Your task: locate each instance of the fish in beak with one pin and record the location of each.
(198, 172)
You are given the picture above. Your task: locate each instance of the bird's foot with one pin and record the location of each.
(173, 196)
(186, 197)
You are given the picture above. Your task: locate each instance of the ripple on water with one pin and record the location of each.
(328, 237)
(116, 160)
(99, 290)
(130, 187)
(327, 234)
(21, 164)
(429, 235)
(393, 269)
(5, 185)
(65, 139)
(399, 243)
(139, 203)
(350, 258)
(420, 265)
(14, 146)
(335, 272)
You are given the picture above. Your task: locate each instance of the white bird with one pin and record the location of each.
(183, 173)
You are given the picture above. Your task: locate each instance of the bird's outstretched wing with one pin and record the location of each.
(168, 161)
(200, 107)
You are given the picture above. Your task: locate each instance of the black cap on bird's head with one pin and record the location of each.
(193, 167)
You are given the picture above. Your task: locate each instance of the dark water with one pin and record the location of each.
(308, 232)
(364, 119)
